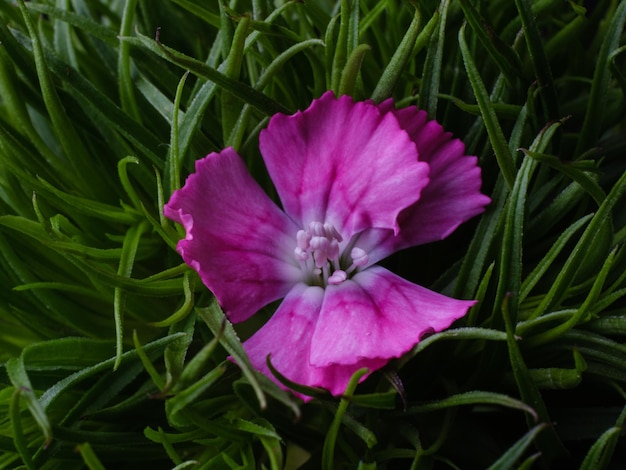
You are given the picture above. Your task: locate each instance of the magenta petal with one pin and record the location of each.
(378, 315)
(237, 239)
(344, 163)
(452, 196)
(286, 337)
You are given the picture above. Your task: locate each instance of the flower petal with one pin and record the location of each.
(286, 337)
(237, 239)
(344, 163)
(452, 196)
(378, 315)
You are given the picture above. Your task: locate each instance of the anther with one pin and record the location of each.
(359, 256)
(301, 255)
(318, 251)
(317, 229)
(337, 277)
(302, 239)
(331, 232)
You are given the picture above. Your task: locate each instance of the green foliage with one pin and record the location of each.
(115, 353)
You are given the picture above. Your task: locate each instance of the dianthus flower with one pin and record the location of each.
(357, 182)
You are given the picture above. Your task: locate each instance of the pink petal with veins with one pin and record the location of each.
(378, 315)
(343, 162)
(286, 338)
(237, 239)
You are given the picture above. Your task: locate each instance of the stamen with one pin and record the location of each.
(317, 229)
(337, 277)
(319, 246)
(359, 256)
(331, 232)
(318, 250)
(302, 239)
(301, 254)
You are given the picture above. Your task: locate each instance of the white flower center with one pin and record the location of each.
(319, 252)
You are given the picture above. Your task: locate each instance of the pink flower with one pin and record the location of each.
(357, 182)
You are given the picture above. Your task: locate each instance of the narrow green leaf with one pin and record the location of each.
(515, 452)
(540, 61)
(274, 451)
(89, 457)
(19, 440)
(400, 58)
(503, 110)
(83, 22)
(176, 352)
(328, 452)
(554, 378)
(102, 109)
(617, 71)
(127, 261)
(241, 90)
(23, 389)
(189, 281)
(64, 128)
(564, 37)
(164, 439)
(474, 261)
(379, 401)
(510, 259)
(351, 71)
(187, 397)
(597, 101)
(66, 354)
(341, 47)
(197, 364)
(578, 171)
(56, 391)
(582, 313)
(218, 323)
(90, 207)
(505, 57)
(555, 211)
(461, 334)
(272, 390)
(174, 160)
(367, 466)
(107, 388)
(601, 451)
(262, 428)
(364, 433)
(296, 387)
(542, 267)
(549, 443)
(231, 105)
(202, 13)
(496, 136)
(122, 171)
(15, 109)
(473, 398)
(100, 275)
(264, 80)
(431, 75)
(330, 39)
(126, 87)
(590, 235)
(145, 360)
(275, 66)
(35, 230)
